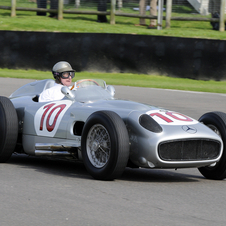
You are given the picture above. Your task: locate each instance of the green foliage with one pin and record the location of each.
(126, 79)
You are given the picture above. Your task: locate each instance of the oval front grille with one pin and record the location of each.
(189, 150)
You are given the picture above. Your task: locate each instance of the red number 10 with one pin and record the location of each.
(49, 127)
(172, 115)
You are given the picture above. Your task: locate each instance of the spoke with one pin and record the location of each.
(98, 146)
(103, 151)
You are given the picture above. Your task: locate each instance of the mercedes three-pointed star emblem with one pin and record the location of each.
(189, 129)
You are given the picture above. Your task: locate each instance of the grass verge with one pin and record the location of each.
(126, 79)
(76, 23)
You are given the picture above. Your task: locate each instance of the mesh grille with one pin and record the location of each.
(189, 150)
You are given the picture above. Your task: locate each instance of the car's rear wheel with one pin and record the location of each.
(217, 122)
(8, 128)
(105, 145)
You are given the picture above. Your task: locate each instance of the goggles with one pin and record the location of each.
(67, 74)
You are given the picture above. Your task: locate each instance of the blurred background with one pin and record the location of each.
(197, 7)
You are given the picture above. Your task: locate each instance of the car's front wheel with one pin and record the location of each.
(105, 145)
(8, 128)
(217, 122)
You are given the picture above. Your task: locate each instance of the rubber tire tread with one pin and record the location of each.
(119, 145)
(8, 128)
(218, 119)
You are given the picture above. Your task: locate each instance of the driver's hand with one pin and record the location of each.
(73, 87)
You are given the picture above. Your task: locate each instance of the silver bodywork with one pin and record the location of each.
(55, 128)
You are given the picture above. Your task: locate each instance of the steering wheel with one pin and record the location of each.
(86, 82)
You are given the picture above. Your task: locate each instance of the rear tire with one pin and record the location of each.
(8, 128)
(105, 145)
(217, 122)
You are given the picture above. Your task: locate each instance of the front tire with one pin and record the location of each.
(217, 122)
(105, 145)
(8, 128)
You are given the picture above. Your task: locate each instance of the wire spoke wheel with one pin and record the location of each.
(105, 145)
(98, 146)
(215, 129)
(217, 122)
(8, 128)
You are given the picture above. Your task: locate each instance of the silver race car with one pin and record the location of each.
(105, 133)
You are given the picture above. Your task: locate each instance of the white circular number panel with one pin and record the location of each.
(48, 117)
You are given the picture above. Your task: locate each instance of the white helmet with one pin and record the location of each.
(60, 67)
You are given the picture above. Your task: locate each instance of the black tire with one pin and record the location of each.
(8, 128)
(217, 122)
(105, 145)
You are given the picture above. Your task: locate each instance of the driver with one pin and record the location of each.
(63, 74)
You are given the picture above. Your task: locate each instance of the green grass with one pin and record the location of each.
(126, 79)
(28, 21)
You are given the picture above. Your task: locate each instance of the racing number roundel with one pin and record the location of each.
(170, 117)
(49, 116)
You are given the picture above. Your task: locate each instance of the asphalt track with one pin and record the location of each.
(38, 191)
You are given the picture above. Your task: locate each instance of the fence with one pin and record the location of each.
(168, 10)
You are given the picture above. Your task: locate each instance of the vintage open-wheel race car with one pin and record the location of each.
(108, 134)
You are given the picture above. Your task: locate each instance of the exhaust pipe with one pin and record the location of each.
(52, 149)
